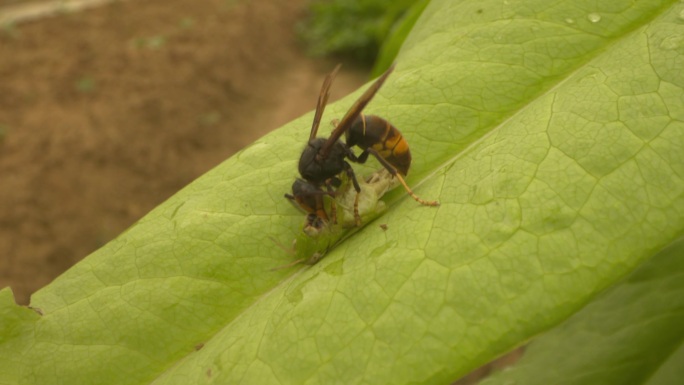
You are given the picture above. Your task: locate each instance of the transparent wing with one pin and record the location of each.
(353, 113)
(322, 101)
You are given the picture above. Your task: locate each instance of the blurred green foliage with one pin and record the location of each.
(351, 28)
(392, 43)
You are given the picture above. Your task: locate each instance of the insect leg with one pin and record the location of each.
(350, 174)
(393, 170)
(333, 206)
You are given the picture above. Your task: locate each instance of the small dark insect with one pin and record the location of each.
(383, 226)
(323, 159)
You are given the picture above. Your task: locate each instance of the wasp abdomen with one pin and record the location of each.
(377, 133)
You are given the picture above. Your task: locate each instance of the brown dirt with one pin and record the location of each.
(106, 113)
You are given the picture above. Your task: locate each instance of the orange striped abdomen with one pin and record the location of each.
(377, 133)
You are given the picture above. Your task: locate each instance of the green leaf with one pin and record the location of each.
(393, 42)
(551, 133)
(632, 334)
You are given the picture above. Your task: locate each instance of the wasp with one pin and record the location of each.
(324, 159)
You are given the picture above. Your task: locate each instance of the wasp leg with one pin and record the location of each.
(333, 212)
(393, 170)
(350, 173)
(331, 191)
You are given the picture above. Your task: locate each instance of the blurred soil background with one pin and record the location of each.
(107, 112)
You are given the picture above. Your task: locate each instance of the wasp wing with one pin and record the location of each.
(353, 113)
(322, 101)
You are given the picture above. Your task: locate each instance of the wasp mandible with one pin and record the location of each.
(324, 159)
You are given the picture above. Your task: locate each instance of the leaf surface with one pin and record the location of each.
(632, 334)
(550, 133)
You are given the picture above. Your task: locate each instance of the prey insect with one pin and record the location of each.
(324, 160)
(319, 236)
